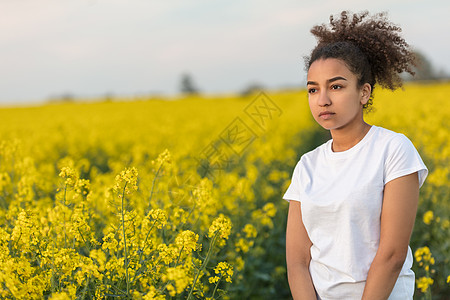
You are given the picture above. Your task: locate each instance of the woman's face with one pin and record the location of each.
(335, 100)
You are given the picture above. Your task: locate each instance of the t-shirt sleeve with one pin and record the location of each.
(293, 191)
(403, 159)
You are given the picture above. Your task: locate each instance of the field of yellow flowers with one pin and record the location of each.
(181, 198)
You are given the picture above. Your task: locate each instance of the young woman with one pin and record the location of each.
(353, 200)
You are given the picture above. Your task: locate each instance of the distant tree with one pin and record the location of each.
(252, 88)
(424, 69)
(187, 85)
(442, 74)
(108, 97)
(63, 98)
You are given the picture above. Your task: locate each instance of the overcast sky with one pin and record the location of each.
(91, 48)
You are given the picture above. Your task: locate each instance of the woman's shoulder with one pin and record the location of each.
(315, 153)
(390, 137)
(395, 146)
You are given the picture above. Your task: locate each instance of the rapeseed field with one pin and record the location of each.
(181, 198)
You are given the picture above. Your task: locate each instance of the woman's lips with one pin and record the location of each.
(326, 115)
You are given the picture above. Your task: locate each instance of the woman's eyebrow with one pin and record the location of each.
(328, 81)
(336, 78)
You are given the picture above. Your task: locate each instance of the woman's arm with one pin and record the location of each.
(398, 213)
(298, 255)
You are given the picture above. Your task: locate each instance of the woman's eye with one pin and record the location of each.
(311, 90)
(335, 87)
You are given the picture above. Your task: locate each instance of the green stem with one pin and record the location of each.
(83, 296)
(145, 241)
(125, 242)
(84, 240)
(428, 293)
(64, 216)
(153, 185)
(205, 262)
(179, 257)
(15, 242)
(215, 288)
(189, 215)
(142, 252)
(53, 278)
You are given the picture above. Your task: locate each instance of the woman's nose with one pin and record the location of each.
(323, 100)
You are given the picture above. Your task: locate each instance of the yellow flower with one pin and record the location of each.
(164, 157)
(203, 196)
(23, 233)
(187, 241)
(159, 216)
(180, 277)
(250, 231)
(213, 279)
(432, 260)
(128, 179)
(5, 180)
(428, 217)
(224, 270)
(82, 186)
(423, 283)
(60, 296)
(110, 242)
(446, 224)
(167, 253)
(240, 263)
(222, 226)
(265, 214)
(424, 254)
(99, 257)
(153, 295)
(243, 245)
(70, 175)
(135, 295)
(270, 210)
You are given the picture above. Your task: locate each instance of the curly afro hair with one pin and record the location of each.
(369, 45)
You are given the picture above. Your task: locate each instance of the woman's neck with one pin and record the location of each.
(346, 138)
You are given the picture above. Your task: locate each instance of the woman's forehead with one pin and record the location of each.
(326, 69)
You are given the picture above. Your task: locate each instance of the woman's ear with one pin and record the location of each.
(366, 90)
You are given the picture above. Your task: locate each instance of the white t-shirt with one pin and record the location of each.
(341, 195)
